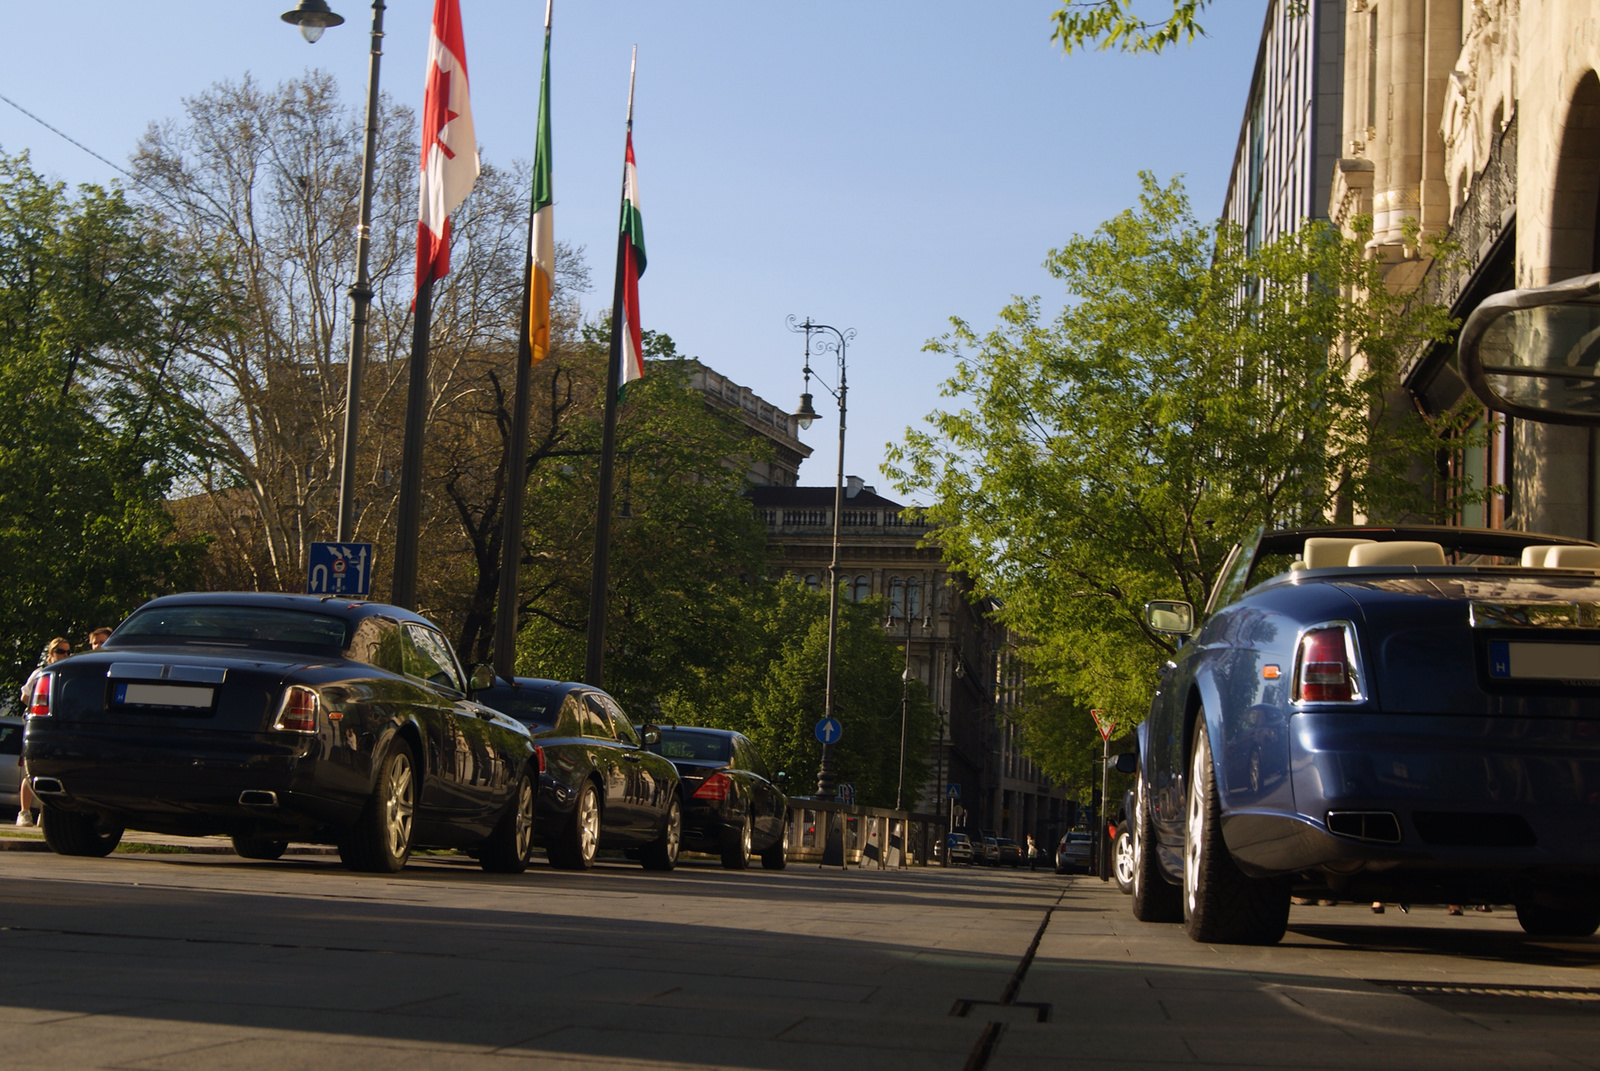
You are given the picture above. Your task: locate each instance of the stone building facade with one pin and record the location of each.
(1480, 120)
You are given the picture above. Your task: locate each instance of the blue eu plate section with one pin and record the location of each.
(1500, 659)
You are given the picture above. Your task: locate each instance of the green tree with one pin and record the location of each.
(772, 684)
(1191, 390)
(1112, 24)
(94, 303)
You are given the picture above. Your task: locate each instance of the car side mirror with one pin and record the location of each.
(782, 778)
(1170, 617)
(1535, 353)
(1127, 762)
(482, 677)
(650, 735)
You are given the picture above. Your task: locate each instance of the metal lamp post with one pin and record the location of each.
(313, 16)
(826, 778)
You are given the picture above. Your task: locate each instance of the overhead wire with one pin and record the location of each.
(74, 141)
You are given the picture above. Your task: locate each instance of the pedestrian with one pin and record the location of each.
(1033, 853)
(98, 637)
(54, 652)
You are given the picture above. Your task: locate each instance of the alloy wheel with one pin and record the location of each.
(1194, 831)
(675, 831)
(524, 819)
(588, 824)
(1124, 859)
(398, 806)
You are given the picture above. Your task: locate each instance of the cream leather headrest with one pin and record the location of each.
(1326, 552)
(1572, 558)
(1533, 557)
(1402, 552)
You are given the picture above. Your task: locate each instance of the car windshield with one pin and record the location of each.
(271, 627)
(525, 704)
(695, 747)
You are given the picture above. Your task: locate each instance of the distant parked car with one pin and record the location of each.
(989, 849)
(1009, 852)
(10, 764)
(1075, 852)
(959, 846)
(598, 786)
(732, 806)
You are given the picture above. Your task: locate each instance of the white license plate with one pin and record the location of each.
(162, 695)
(1509, 660)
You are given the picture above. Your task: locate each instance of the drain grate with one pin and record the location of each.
(1588, 994)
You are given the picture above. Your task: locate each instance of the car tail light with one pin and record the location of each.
(538, 757)
(1323, 673)
(39, 701)
(716, 787)
(299, 711)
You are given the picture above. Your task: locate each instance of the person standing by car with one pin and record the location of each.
(54, 652)
(98, 637)
(1033, 853)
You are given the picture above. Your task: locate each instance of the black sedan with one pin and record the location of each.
(598, 786)
(732, 807)
(279, 717)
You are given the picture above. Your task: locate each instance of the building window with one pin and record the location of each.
(863, 590)
(812, 582)
(914, 597)
(897, 598)
(1485, 464)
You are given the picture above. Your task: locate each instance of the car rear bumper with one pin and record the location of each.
(1410, 799)
(188, 784)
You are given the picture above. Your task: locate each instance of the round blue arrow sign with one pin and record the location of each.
(829, 730)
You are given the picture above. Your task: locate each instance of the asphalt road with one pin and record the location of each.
(207, 961)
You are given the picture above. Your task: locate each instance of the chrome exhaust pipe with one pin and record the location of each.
(48, 786)
(254, 797)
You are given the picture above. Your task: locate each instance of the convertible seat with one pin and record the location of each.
(1400, 552)
(1533, 557)
(1571, 558)
(1326, 552)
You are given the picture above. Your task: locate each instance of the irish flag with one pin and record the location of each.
(449, 147)
(631, 265)
(542, 243)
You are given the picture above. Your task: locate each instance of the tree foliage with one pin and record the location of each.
(94, 304)
(1191, 390)
(1110, 24)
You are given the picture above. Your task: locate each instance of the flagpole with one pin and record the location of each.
(594, 662)
(505, 620)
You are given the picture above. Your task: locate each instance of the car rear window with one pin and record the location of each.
(527, 705)
(270, 627)
(699, 747)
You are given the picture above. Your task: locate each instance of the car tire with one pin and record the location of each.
(662, 853)
(264, 848)
(68, 833)
(380, 841)
(777, 856)
(1221, 904)
(578, 843)
(1122, 861)
(507, 849)
(736, 846)
(1540, 921)
(1155, 899)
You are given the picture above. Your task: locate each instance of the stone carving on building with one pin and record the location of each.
(1481, 98)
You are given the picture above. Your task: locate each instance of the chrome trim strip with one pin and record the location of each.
(1534, 615)
(135, 671)
(198, 674)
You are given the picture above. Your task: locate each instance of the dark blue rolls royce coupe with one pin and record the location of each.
(1408, 714)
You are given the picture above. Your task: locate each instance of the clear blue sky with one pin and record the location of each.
(882, 166)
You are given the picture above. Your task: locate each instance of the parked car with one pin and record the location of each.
(732, 806)
(989, 850)
(1009, 852)
(1404, 713)
(1121, 833)
(1075, 852)
(10, 765)
(959, 847)
(279, 717)
(598, 785)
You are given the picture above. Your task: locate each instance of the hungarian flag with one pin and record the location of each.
(631, 265)
(449, 149)
(542, 245)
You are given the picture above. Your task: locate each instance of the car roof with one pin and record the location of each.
(729, 733)
(340, 606)
(1497, 541)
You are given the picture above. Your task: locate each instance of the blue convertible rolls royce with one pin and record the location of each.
(1408, 714)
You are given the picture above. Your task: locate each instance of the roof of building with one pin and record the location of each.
(865, 498)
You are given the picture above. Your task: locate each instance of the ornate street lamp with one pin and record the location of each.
(840, 341)
(313, 16)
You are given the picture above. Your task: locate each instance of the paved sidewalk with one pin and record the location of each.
(29, 839)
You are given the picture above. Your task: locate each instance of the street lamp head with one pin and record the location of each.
(805, 414)
(312, 16)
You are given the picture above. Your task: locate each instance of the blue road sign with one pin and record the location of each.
(952, 791)
(829, 730)
(845, 793)
(340, 569)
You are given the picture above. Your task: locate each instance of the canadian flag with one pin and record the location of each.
(449, 149)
